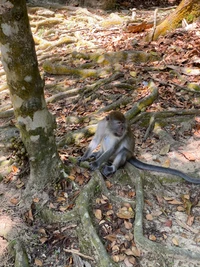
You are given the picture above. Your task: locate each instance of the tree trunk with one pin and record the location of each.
(187, 9)
(33, 119)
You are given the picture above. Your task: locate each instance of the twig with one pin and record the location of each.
(75, 251)
(154, 23)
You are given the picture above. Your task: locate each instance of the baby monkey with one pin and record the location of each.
(117, 145)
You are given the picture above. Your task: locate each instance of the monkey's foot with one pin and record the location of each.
(108, 170)
(94, 165)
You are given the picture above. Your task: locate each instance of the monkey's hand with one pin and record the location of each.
(108, 170)
(94, 165)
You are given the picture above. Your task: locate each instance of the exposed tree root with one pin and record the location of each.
(81, 215)
(140, 239)
(137, 108)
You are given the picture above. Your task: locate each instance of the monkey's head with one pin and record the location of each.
(117, 123)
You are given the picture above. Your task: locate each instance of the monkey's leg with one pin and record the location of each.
(119, 160)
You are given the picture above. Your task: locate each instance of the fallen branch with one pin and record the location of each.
(75, 251)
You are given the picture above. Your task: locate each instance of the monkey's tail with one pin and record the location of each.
(149, 167)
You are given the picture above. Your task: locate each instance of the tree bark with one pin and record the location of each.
(187, 9)
(33, 119)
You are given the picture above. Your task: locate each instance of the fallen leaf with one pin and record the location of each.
(115, 258)
(98, 214)
(164, 150)
(128, 225)
(20, 185)
(71, 177)
(14, 201)
(166, 164)
(129, 252)
(168, 198)
(108, 184)
(168, 223)
(15, 169)
(180, 208)
(136, 251)
(188, 155)
(43, 240)
(175, 202)
(149, 217)
(110, 237)
(129, 261)
(125, 214)
(190, 220)
(38, 262)
(36, 200)
(129, 236)
(175, 241)
(152, 238)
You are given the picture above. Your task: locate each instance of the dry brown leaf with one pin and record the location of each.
(186, 196)
(139, 27)
(109, 212)
(38, 262)
(51, 206)
(36, 200)
(14, 201)
(190, 220)
(108, 184)
(115, 248)
(116, 258)
(129, 236)
(136, 252)
(42, 231)
(165, 236)
(20, 185)
(152, 237)
(175, 202)
(71, 177)
(129, 261)
(128, 225)
(168, 198)
(15, 169)
(188, 155)
(129, 252)
(180, 208)
(168, 223)
(125, 214)
(175, 241)
(149, 217)
(64, 208)
(98, 214)
(61, 199)
(111, 237)
(43, 240)
(148, 202)
(156, 213)
(159, 199)
(166, 164)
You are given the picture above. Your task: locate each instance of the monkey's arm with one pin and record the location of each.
(95, 142)
(102, 158)
(149, 167)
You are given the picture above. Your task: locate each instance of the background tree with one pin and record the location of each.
(33, 119)
(187, 9)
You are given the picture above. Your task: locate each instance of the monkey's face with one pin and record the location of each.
(117, 127)
(117, 123)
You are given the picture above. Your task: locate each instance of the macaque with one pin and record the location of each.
(117, 145)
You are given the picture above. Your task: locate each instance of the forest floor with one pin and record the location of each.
(86, 75)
